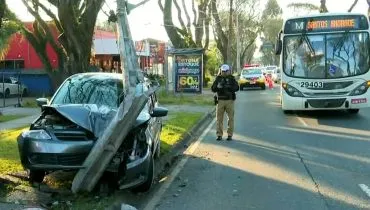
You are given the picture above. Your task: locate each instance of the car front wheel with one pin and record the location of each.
(144, 187)
(36, 176)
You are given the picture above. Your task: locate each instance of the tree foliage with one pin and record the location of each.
(322, 8)
(249, 26)
(75, 22)
(8, 26)
(191, 33)
(214, 60)
(272, 19)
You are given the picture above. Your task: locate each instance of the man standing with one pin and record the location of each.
(225, 87)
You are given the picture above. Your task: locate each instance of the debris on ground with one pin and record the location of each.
(184, 183)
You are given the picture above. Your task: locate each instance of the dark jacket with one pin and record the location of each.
(228, 87)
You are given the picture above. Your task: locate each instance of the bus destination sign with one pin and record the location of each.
(326, 24)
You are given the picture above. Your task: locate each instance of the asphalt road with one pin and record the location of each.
(315, 160)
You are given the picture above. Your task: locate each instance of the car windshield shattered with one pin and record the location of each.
(326, 56)
(92, 89)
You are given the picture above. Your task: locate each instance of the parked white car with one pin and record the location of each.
(11, 86)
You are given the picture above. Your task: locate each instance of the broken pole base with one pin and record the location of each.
(108, 144)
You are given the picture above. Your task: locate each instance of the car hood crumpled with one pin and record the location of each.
(90, 117)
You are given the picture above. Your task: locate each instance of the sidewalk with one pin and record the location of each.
(32, 114)
(22, 122)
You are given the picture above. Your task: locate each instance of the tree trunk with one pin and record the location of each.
(221, 39)
(205, 59)
(228, 58)
(353, 6)
(171, 29)
(323, 8)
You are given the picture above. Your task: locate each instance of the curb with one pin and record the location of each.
(165, 162)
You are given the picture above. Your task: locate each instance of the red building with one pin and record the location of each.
(21, 54)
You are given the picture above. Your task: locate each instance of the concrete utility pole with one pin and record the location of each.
(113, 136)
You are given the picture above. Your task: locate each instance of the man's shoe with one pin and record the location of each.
(219, 138)
(229, 138)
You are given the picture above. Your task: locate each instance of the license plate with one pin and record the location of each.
(312, 85)
(252, 82)
(358, 101)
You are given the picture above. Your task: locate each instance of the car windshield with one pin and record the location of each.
(326, 56)
(90, 89)
(251, 71)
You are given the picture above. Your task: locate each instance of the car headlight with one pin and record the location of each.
(292, 91)
(36, 134)
(361, 89)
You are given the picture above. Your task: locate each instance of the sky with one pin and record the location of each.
(147, 20)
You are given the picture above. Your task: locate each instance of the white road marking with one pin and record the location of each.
(365, 188)
(302, 121)
(190, 150)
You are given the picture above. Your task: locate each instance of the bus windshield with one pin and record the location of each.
(321, 56)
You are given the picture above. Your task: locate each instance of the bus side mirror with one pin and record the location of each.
(279, 44)
(278, 47)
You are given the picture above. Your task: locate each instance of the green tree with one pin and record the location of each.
(322, 8)
(2, 11)
(107, 26)
(191, 33)
(8, 26)
(75, 21)
(249, 26)
(214, 60)
(182, 36)
(272, 24)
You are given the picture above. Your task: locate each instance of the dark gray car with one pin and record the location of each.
(76, 116)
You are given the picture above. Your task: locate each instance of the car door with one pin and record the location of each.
(14, 86)
(10, 86)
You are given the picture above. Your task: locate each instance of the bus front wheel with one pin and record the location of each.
(353, 111)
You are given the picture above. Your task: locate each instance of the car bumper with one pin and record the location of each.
(53, 154)
(332, 103)
(251, 84)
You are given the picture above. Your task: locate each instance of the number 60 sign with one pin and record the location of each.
(189, 82)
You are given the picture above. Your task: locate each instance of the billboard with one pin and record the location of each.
(142, 48)
(188, 73)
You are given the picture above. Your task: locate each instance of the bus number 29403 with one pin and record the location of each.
(316, 85)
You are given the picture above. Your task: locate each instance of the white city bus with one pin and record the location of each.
(325, 62)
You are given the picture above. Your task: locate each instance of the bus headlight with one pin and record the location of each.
(361, 89)
(292, 91)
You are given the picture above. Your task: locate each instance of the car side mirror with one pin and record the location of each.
(42, 101)
(159, 112)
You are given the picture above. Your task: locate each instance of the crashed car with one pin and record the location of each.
(74, 119)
